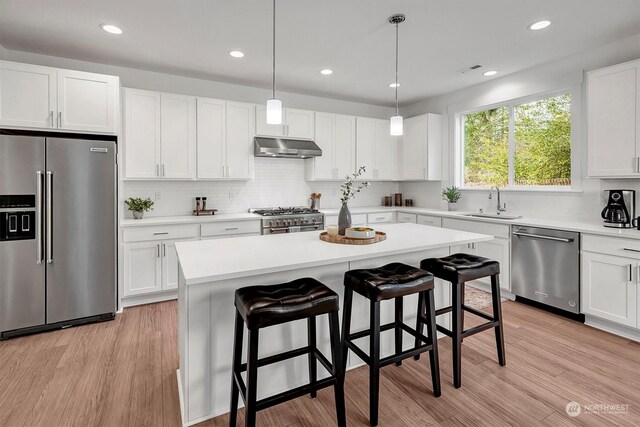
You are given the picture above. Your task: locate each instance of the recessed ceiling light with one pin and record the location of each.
(111, 29)
(326, 72)
(490, 73)
(236, 53)
(394, 84)
(539, 25)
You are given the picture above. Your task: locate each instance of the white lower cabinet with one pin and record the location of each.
(434, 221)
(142, 268)
(610, 285)
(150, 267)
(406, 217)
(498, 249)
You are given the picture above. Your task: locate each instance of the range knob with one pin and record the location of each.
(270, 223)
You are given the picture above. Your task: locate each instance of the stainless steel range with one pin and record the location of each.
(289, 219)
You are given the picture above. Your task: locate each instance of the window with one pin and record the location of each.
(518, 145)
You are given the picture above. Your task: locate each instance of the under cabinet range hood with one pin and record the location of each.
(285, 147)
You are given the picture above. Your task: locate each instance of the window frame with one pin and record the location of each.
(576, 165)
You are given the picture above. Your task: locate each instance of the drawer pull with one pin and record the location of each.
(631, 250)
(161, 234)
(230, 228)
(380, 218)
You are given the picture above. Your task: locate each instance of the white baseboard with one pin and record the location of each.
(614, 328)
(148, 298)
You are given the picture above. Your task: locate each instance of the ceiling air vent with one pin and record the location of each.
(468, 69)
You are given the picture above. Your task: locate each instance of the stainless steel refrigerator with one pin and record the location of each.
(57, 232)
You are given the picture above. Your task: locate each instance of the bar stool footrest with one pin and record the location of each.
(285, 396)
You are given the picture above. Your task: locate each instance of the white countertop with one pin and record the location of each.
(188, 219)
(580, 226)
(221, 259)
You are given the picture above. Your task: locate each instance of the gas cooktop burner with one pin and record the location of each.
(284, 211)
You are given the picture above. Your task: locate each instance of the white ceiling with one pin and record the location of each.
(353, 37)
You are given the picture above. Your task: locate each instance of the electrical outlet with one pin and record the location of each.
(158, 196)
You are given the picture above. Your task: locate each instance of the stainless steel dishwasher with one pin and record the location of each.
(545, 266)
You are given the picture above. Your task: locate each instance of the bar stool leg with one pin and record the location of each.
(456, 339)
(497, 315)
(374, 368)
(462, 289)
(398, 329)
(346, 325)
(338, 371)
(252, 379)
(313, 372)
(235, 370)
(419, 324)
(433, 340)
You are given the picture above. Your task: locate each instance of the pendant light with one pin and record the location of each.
(395, 124)
(274, 105)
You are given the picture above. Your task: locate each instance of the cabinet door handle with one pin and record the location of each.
(630, 273)
(60, 119)
(158, 250)
(637, 273)
(638, 164)
(228, 171)
(157, 170)
(51, 119)
(164, 250)
(163, 170)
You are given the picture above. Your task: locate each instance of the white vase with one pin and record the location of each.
(137, 214)
(453, 206)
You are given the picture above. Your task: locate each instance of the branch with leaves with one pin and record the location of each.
(349, 189)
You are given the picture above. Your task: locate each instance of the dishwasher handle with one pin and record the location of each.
(543, 237)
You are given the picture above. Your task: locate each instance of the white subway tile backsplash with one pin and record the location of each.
(277, 182)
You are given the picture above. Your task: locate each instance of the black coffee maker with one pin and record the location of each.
(620, 209)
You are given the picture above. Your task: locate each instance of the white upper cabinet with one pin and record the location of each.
(27, 96)
(240, 132)
(211, 136)
(87, 102)
(32, 96)
(613, 121)
(160, 135)
(295, 123)
(336, 136)
(141, 133)
(376, 149)
(225, 139)
(177, 136)
(420, 148)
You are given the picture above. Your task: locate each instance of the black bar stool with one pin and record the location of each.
(392, 281)
(459, 269)
(263, 306)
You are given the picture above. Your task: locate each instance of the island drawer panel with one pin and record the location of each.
(496, 230)
(434, 221)
(629, 248)
(406, 217)
(164, 232)
(380, 217)
(230, 227)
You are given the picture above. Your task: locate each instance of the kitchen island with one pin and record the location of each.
(210, 271)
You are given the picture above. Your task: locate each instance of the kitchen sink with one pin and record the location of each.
(494, 216)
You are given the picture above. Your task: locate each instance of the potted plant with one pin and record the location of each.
(349, 191)
(451, 195)
(139, 206)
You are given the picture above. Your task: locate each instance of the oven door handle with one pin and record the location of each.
(279, 230)
(306, 227)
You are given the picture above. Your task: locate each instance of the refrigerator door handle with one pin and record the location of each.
(39, 178)
(49, 223)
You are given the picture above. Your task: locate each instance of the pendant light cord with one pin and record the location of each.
(274, 50)
(396, 68)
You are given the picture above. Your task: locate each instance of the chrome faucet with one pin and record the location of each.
(500, 207)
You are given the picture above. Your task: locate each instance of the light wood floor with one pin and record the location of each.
(122, 373)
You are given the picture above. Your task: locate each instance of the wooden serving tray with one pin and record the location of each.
(380, 236)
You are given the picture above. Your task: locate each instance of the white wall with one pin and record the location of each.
(278, 182)
(563, 74)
